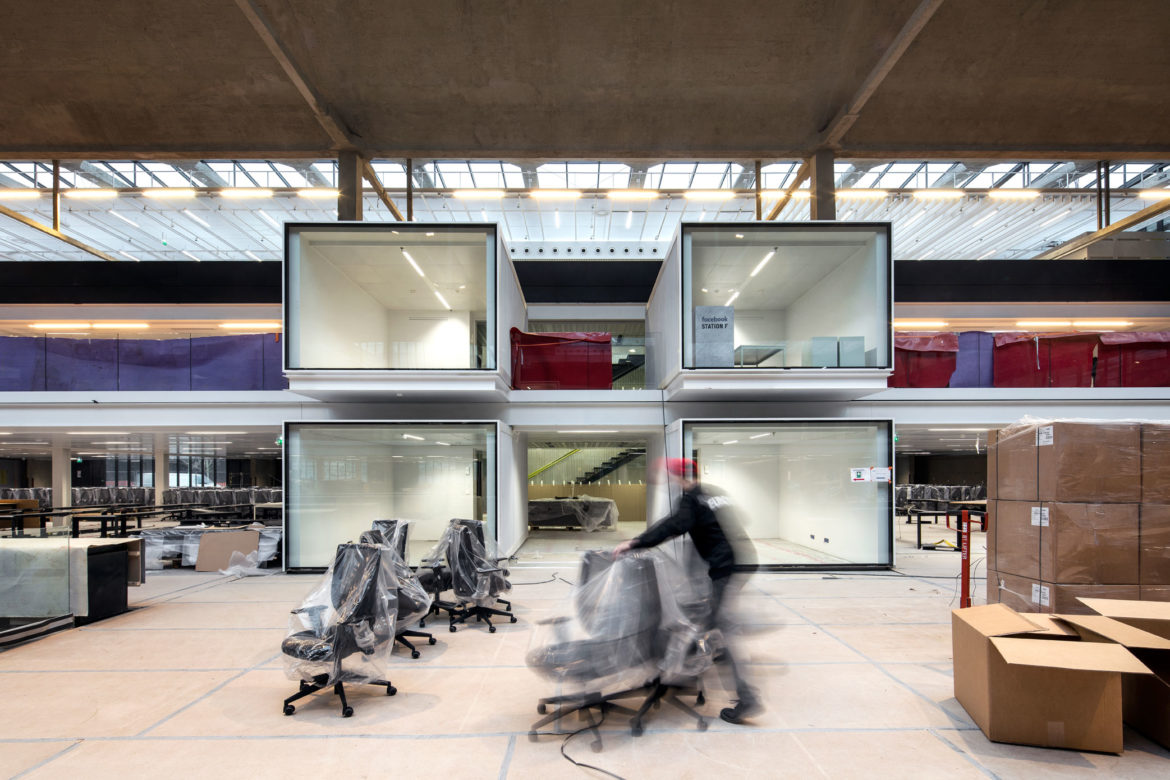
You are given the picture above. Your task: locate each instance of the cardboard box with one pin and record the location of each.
(1094, 463)
(1031, 595)
(992, 463)
(1016, 465)
(1017, 538)
(990, 539)
(1155, 463)
(216, 548)
(1146, 698)
(1147, 615)
(1155, 544)
(1030, 690)
(1089, 543)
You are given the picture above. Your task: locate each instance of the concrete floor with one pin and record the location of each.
(855, 671)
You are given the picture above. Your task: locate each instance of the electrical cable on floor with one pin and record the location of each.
(553, 578)
(582, 764)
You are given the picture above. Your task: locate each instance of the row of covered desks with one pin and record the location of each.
(112, 519)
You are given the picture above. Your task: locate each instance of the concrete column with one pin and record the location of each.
(162, 467)
(349, 186)
(823, 180)
(62, 475)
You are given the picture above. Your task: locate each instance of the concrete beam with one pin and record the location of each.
(376, 184)
(802, 173)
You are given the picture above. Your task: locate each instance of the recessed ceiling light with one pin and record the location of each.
(19, 194)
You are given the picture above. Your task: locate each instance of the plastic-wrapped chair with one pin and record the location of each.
(344, 630)
(477, 580)
(414, 602)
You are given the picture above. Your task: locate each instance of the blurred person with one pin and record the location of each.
(722, 543)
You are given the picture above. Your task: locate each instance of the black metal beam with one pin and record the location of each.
(1028, 281)
(132, 283)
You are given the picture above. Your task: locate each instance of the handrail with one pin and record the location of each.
(548, 466)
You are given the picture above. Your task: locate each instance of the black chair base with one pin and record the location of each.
(481, 615)
(437, 606)
(670, 694)
(583, 704)
(320, 683)
(401, 639)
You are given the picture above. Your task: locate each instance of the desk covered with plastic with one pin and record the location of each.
(587, 512)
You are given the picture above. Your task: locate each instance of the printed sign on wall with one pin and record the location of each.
(714, 336)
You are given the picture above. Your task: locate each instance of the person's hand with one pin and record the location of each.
(623, 548)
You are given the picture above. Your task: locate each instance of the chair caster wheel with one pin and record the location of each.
(636, 729)
(452, 629)
(513, 620)
(491, 629)
(391, 690)
(289, 709)
(532, 736)
(414, 654)
(347, 712)
(596, 745)
(700, 699)
(431, 640)
(702, 725)
(422, 624)
(541, 709)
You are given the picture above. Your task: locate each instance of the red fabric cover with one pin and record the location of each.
(1019, 361)
(1134, 359)
(1070, 360)
(924, 359)
(561, 361)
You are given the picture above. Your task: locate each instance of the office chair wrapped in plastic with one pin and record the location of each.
(344, 630)
(477, 579)
(414, 602)
(635, 626)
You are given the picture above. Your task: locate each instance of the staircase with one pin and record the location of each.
(627, 365)
(613, 464)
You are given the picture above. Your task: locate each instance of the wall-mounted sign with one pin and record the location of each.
(714, 336)
(861, 475)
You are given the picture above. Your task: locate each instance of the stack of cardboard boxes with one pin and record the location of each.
(1078, 508)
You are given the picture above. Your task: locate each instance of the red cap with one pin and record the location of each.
(680, 467)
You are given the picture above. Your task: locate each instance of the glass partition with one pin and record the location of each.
(340, 477)
(787, 296)
(34, 573)
(361, 296)
(810, 492)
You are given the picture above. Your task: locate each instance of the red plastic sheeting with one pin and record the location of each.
(928, 342)
(1134, 359)
(1033, 360)
(561, 361)
(924, 359)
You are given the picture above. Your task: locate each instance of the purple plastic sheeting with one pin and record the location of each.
(974, 364)
(274, 362)
(22, 363)
(148, 364)
(81, 364)
(227, 363)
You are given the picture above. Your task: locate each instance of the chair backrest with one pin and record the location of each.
(354, 587)
(476, 527)
(395, 532)
(618, 598)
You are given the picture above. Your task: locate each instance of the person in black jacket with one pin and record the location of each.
(721, 542)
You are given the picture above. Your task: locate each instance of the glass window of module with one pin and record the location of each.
(787, 296)
(362, 296)
(342, 476)
(808, 492)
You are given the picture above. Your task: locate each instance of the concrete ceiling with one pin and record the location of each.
(758, 79)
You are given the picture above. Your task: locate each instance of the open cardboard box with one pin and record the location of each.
(1143, 628)
(1026, 680)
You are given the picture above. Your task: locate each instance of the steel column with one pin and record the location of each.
(349, 186)
(823, 183)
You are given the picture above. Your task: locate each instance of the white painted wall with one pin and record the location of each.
(428, 339)
(849, 301)
(511, 312)
(751, 479)
(335, 323)
(663, 321)
(512, 520)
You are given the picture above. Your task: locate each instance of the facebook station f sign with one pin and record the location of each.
(714, 336)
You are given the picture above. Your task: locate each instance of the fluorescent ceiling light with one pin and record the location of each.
(920, 323)
(188, 254)
(248, 325)
(127, 220)
(413, 264)
(19, 194)
(938, 194)
(760, 435)
(318, 192)
(5, 433)
(708, 194)
(442, 300)
(443, 443)
(731, 300)
(59, 325)
(196, 217)
(763, 263)
(587, 432)
(85, 194)
(555, 194)
(632, 194)
(245, 192)
(471, 194)
(252, 255)
(98, 433)
(168, 193)
(862, 194)
(1154, 194)
(1013, 194)
(739, 235)
(121, 325)
(429, 235)
(1043, 323)
(412, 436)
(1101, 323)
(130, 256)
(733, 441)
